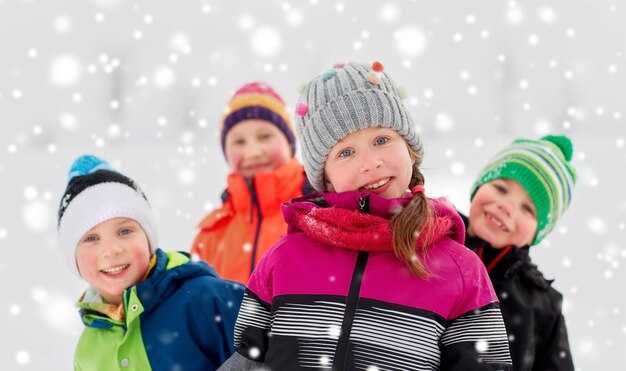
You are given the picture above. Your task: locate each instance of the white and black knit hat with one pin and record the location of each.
(96, 193)
(342, 100)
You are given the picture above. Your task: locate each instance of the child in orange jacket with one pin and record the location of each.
(259, 145)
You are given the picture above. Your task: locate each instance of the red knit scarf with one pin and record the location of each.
(350, 229)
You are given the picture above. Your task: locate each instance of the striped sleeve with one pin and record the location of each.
(476, 340)
(255, 317)
(252, 327)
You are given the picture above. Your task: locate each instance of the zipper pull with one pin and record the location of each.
(363, 204)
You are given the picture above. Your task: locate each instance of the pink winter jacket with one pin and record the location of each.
(332, 294)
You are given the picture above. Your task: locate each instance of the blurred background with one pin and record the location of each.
(143, 84)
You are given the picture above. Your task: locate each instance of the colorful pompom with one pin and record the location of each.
(301, 109)
(378, 67)
(373, 78)
(329, 75)
(564, 144)
(338, 65)
(87, 164)
(402, 92)
(300, 87)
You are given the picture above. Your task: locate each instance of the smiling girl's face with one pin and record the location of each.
(374, 159)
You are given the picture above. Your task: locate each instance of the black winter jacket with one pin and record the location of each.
(531, 308)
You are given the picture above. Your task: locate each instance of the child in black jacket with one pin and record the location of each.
(515, 203)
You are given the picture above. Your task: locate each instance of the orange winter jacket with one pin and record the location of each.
(234, 237)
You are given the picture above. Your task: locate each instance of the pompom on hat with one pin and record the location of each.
(96, 193)
(257, 100)
(342, 100)
(543, 168)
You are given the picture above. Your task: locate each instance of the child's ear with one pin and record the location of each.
(78, 270)
(411, 154)
(328, 184)
(470, 229)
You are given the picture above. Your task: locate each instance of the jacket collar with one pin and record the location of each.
(514, 260)
(268, 190)
(169, 270)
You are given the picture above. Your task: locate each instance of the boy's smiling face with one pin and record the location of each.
(503, 214)
(113, 256)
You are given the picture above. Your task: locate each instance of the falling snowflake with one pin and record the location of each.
(65, 70)
(266, 41)
(482, 346)
(596, 225)
(389, 13)
(164, 77)
(22, 357)
(457, 168)
(324, 360)
(410, 41)
(37, 215)
(444, 122)
(254, 352)
(333, 331)
(186, 176)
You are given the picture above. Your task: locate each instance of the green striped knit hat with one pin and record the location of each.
(543, 168)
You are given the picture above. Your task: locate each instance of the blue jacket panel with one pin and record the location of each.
(186, 316)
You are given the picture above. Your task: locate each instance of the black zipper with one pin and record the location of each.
(254, 202)
(341, 354)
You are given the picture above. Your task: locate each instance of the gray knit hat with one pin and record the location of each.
(342, 100)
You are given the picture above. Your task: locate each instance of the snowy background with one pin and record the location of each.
(143, 84)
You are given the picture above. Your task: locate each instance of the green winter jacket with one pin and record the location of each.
(181, 317)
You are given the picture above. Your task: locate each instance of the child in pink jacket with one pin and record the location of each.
(372, 274)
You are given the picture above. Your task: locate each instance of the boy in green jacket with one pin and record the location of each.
(144, 309)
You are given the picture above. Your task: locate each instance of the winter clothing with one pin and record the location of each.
(180, 317)
(234, 237)
(95, 193)
(257, 100)
(333, 294)
(542, 167)
(342, 100)
(531, 308)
